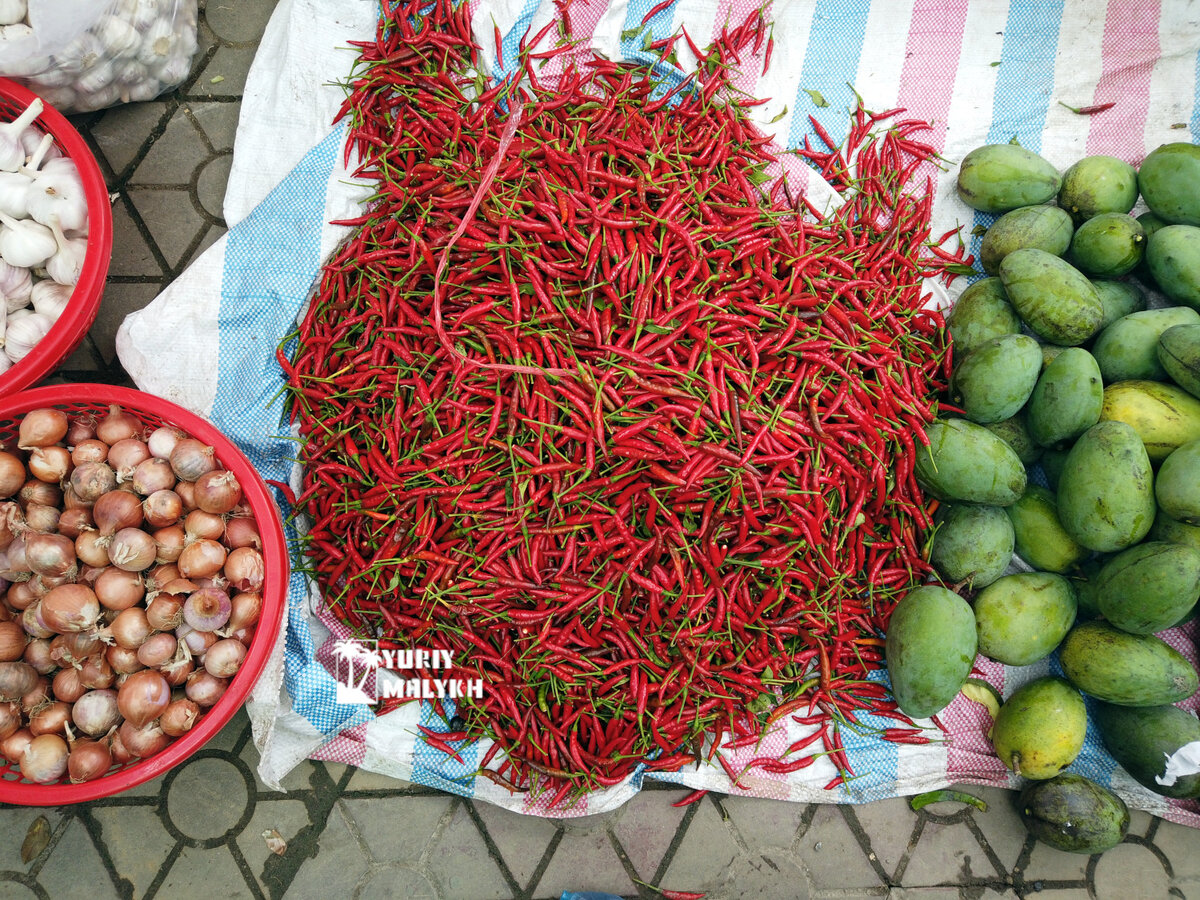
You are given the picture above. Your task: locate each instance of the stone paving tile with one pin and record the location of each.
(765, 823)
(112, 133)
(298, 779)
(173, 157)
(889, 826)
(767, 874)
(285, 816)
(172, 217)
(832, 854)
(131, 256)
(208, 798)
(585, 861)
(1001, 825)
(137, 843)
(239, 21)
(1181, 845)
(339, 858)
(1131, 870)
(119, 300)
(74, 853)
(522, 840)
(213, 871)
(1048, 864)
(398, 881)
(230, 65)
(705, 853)
(17, 821)
(948, 853)
(397, 832)
(217, 121)
(460, 863)
(210, 185)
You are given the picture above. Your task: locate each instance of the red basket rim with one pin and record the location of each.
(274, 590)
(72, 326)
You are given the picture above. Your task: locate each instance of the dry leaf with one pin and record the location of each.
(36, 839)
(275, 842)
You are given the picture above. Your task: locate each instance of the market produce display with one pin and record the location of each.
(590, 402)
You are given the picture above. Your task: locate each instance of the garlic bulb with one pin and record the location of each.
(99, 76)
(24, 242)
(119, 37)
(50, 298)
(22, 335)
(16, 284)
(80, 54)
(12, 154)
(66, 264)
(12, 11)
(14, 194)
(58, 195)
(158, 43)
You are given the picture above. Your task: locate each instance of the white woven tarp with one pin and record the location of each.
(981, 71)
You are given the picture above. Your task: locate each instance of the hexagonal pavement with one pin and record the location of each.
(202, 829)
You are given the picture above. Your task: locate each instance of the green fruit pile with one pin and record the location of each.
(1077, 357)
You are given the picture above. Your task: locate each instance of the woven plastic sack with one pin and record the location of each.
(980, 72)
(83, 55)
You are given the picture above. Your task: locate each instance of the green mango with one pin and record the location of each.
(1106, 488)
(1098, 184)
(1052, 461)
(1169, 181)
(1067, 399)
(981, 312)
(1039, 537)
(1086, 604)
(1051, 296)
(1177, 484)
(1014, 431)
(1118, 298)
(1149, 587)
(1173, 257)
(1163, 415)
(968, 463)
(1040, 729)
(1126, 669)
(1141, 739)
(1071, 812)
(1108, 246)
(1173, 531)
(996, 378)
(1045, 227)
(929, 649)
(972, 544)
(1179, 355)
(1128, 348)
(996, 178)
(1021, 618)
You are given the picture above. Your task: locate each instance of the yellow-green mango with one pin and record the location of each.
(1108, 245)
(1014, 431)
(1172, 530)
(968, 463)
(1149, 587)
(1052, 461)
(1086, 605)
(1173, 258)
(1117, 298)
(996, 378)
(1163, 415)
(1127, 350)
(1071, 812)
(1169, 180)
(1106, 488)
(1045, 227)
(1142, 738)
(1126, 669)
(1098, 184)
(996, 178)
(981, 312)
(1021, 618)
(1067, 398)
(1179, 355)
(929, 649)
(1177, 484)
(1040, 729)
(1039, 537)
(972, 544)
(1051, 296)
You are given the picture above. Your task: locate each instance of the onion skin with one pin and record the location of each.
(91, 481)
(242, 531)
(245, 569)
(143, 742)
(45, 759)
(97, 672)
(88, 760)
(41, 428)
(70, 607)
(116, 510)
(50, 554)
(16, 680)
(118, 590)
(205, 688)
(89, 450)
(157, 650)
(12, 473)
(118, 425)
(10, 720)
(51, 464)
(13, 641)
(96, 712)
(207, 609)
(73, 522)
(67, 685)
(165, 611)
(224, 658)
(52, 718)
(130, 628)
(132, 550)
(190, 458)
(179, 717)
(143, 697)
(218, 491)
(12, 748)
(123, 661)
(37, 654)
(202, 558)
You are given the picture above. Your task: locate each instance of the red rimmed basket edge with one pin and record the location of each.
(98, 397)
(72, 326)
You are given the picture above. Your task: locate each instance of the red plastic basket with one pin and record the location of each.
(72, 326)
(78, 398)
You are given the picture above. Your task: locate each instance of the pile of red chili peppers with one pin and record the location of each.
(589, 402)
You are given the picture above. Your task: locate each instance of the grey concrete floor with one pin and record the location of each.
(198, 831)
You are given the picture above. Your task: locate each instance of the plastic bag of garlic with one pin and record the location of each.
(82, 56)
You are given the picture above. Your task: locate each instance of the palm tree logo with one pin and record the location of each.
(353, 650)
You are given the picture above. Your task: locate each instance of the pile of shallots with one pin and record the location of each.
(131, 579)
(43, 234)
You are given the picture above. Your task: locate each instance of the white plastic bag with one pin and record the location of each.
(83, 55)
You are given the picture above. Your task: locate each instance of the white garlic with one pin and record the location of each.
(119, 37)
(12, 11)
(23, 334)
(14, 194)
(50, 298)
(95, 79)
(58, 196)
(12, 153)
(66, 264)
(158, 43)
(173, 71)
(80, 53)
(24, 242)
(16, 285)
